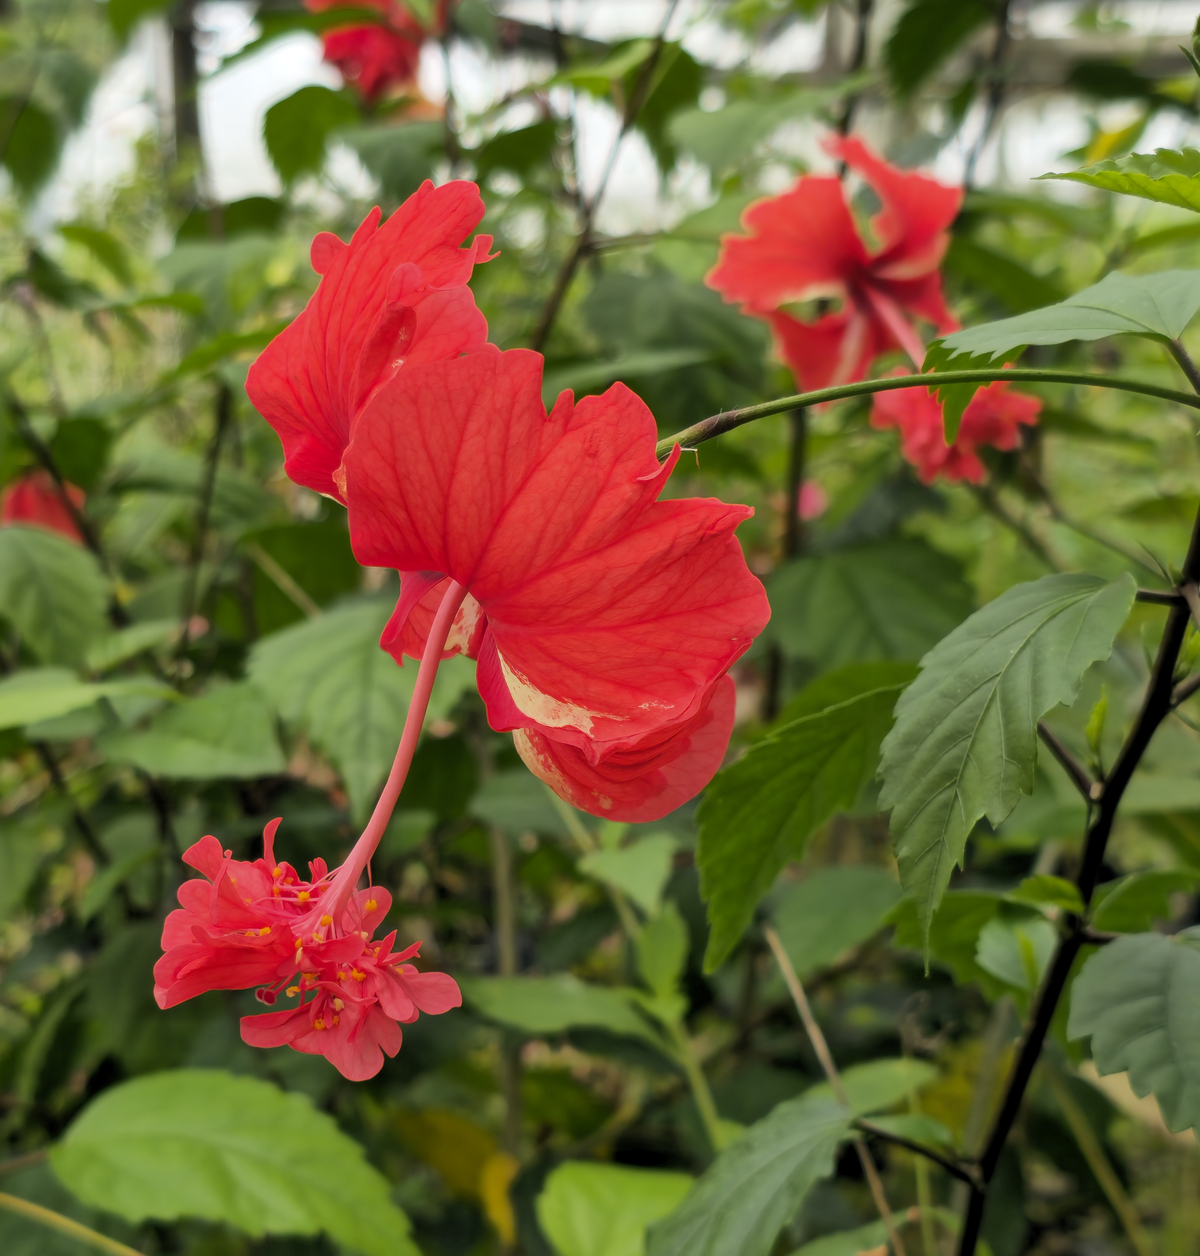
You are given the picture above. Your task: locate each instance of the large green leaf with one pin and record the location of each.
(42, 693)
(552, 1005)
(1132, 904)
(879, 1084)
(1139, 999)
(52, 592)
(33, 142)
(589, 1209)
(227, 732)
(639, 870)
(297, 128)
(328, 677)
(1166, 175)
(965, 741)
(200, 1143)
(754, 1186)
(832, 910)
(759, 812)
(1159, 305)
(889, 599)
(927, 32)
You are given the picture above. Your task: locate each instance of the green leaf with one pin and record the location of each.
(43, 693)
(1159, 305)
(227, 732)
(552, 1005)
(953, 938)
(832, 910)
(879, 1084)
(1139, 1000)
(1016, 949)
(116, 647)
(400, 157)
(1134, 903)
(329, 677)
(296, 129)
(518, 152)
(662, 951)
(755, 1186)
(1047, 891)
(889, 599)
(52, 592)
(80, 450)
(21, 852)
(124, 15)
(639, 870)
(34, 141)
(760, 811)
(200, 1143)
(103, 246)
(1015, 286)
(588, 1209)
(965, 741)
(517, 802)
(927, 32)
(102, 886)
(1166, 176)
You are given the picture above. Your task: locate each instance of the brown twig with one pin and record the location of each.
(583, 239)
(821, 1047)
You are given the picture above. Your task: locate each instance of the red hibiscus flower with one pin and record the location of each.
(604, 620)
(34, 500)
(993, 417)
(394, 296)
(376, 57)
(261, 924)
(804, 245)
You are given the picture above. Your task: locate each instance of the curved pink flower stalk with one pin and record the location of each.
(260, 924)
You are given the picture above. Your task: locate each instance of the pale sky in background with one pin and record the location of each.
(135, 94)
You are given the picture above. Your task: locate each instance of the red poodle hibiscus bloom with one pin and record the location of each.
(394, 296)
(604, 620)
(378, 56)
(260, 924)
(993, 417)
(34, 499)
(804, 245)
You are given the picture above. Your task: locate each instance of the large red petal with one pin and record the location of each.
(303, 383)
(612, 613)
(917, 210)
(644, 782)
(835, 349)
(801, 244)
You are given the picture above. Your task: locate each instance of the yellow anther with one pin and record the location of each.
(275, 890)
(317, 938)
(233, 880)
(338, 1005)
(327, 920)
(304, 896)
(251, 934)
(318, 1023)
(246, 900)
(309, 976)
(292, 991)
(371, 904)
(358, 976)
(277, 872)
(299, 943)
(337, 1020)
(262, 933)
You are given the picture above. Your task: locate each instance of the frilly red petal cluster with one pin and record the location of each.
(804, 245)
(252, 924)
(34, 500)
(993, 417)
(378, 57)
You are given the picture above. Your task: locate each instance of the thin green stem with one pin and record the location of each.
(718, 424)
(64, 1225)
(698, 1083)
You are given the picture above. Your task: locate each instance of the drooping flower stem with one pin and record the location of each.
(347, 876)
(718, 424)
